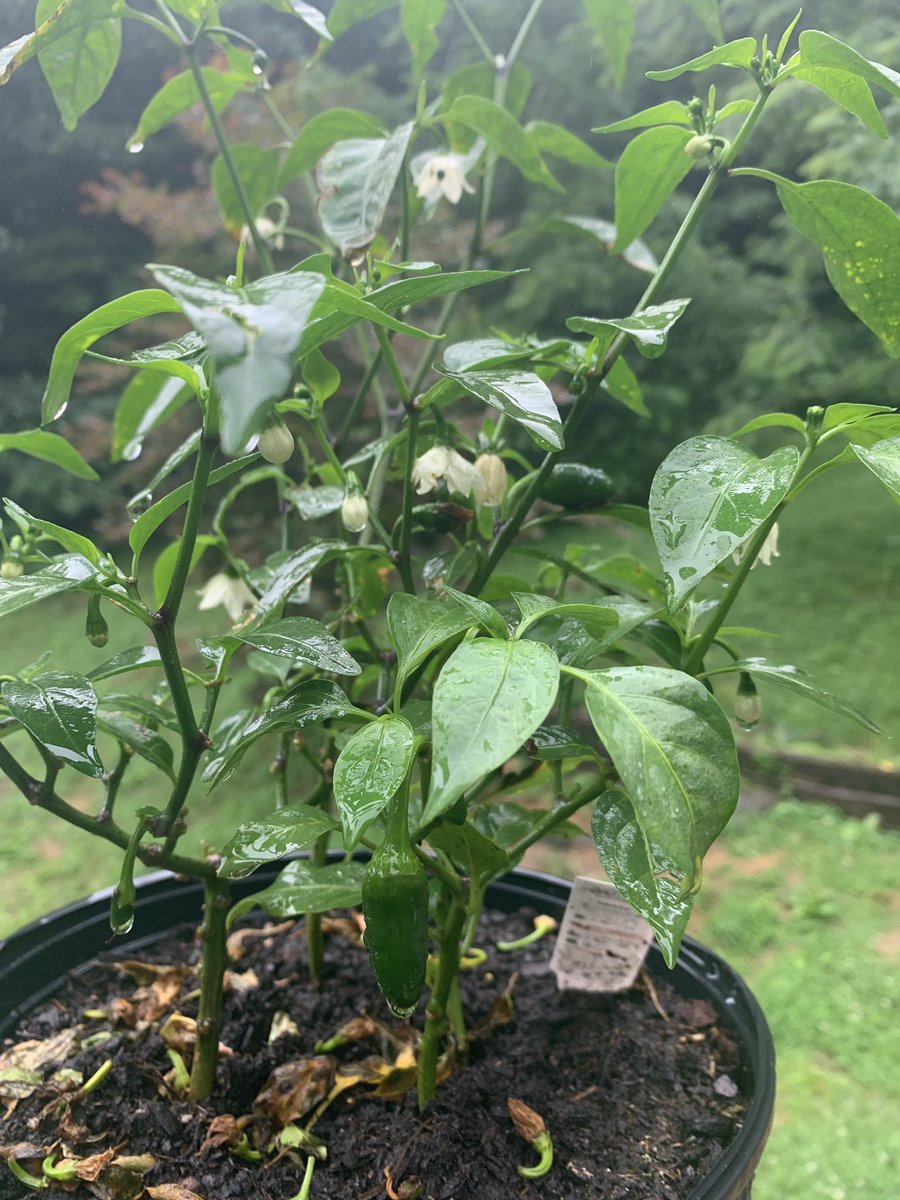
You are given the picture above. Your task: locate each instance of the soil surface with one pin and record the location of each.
(639, 1104)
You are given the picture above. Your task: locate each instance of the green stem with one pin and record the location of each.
(160, 26)
(475, 32)
(412, 429)
(557, 815)
(436, 1013)
(214, 957)
(202, 467)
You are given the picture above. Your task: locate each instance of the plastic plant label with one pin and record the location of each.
(602, 942)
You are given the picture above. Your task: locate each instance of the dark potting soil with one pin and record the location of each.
(639, 1104)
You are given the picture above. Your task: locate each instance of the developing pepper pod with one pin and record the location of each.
(747, 704)
(124, 897)
(395, 906)
(96, 629)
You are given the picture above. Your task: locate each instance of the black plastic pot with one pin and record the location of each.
(35, 960)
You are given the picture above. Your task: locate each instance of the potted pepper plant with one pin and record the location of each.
(426, 657)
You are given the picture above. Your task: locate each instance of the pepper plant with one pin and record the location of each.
(425, 655)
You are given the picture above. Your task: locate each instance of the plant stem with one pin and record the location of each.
(412, 430)
(477, 36)
(557, 815)
(213, 960)
(436, 1013)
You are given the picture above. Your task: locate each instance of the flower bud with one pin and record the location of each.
(276, 442)
(355, 512)
(10, 569)
(492, 470)
(747, 704)
(95, 628)
(698, 147)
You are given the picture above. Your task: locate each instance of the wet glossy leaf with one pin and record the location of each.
(418, 626)
(481, 611)
(302, 888)
(647, 173)
(280, 833)
(370, 769)
(522, 395)
(75, 341)
(489, 698)
(794, 680)
(859, 236)
(129, 660)
(59, 710)
(308, 14)
(322, 131)
(673, 749)
(767, 420)
(313, 503)
(597, 619)
(638, 254)
(79, 64)
(354, 180)
(143, 741)
(708, 497)
(67, 538)
(257, 168)
(474, 852)
(307, 704)
(301, 639)
(614, 21)
(503, 134)
(148, 712)
(348, 301)
(179, 94)
(553, 743)
(48, 447)
(252, 334)
(67, 573)
(883, 460)
(649, 330)
(559, 142)
(147, 402)
(630, 864)
(292, 571)
(419, 20)
(738, 53)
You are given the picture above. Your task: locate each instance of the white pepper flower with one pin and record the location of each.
(767, 551)
(276, 442)
(492, 470)
(355, 512)
(443, 175)
(227, 591)
(440, 462)
(271, 232)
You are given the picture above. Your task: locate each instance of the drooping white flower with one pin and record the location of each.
(276, 442)
(443, 175)
(492, 470)
(355, 512)
(227, 591)
(767, 551)
(271, 232)
(440, 462)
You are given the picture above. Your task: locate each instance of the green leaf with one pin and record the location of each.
(63, 575)
(346, 299)
(75, 543)
(307, 13)
(672, 747)
(819, 49)
(419, 20)
(308, 703)
(489, 698)
(798, 682)
(347, 13)
(305, 888)
(133, 659)
(301, 639)
(553, 743)
(477, 79)
(859, 237)
(293, 570)
(280, 833)
(147, 524)
(179, 94)
(503, 134)
(596, 619)
(150, 713)
(883, 460)
(322, 131)
(482, 612)
(143, 741)
(59, 710)
(850, 414)
(354, 180)
(670, 112)
(614, 21)
(48, 447)
(622, 385)
(147, 402)
(522, 395)
(506, 823)
(321, 377)
(79, 64)
(647, 173)
(767, 420)
(708, 13)
(253, 335)
(847, 90)
(649, 330)
(559, 142)
(709, 496)
(257, 169)
(630, 864)
(417, 627)
(637, 254)
(371, 768)
(164, 567)
(313, 503)
(75, 341)
(476, 854)
(733, 54)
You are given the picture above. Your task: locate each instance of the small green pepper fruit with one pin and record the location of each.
(577, 487)
(395, 906)
(96, 629)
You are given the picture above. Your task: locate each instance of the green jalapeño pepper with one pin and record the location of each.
(395, 906)
(577, 488)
